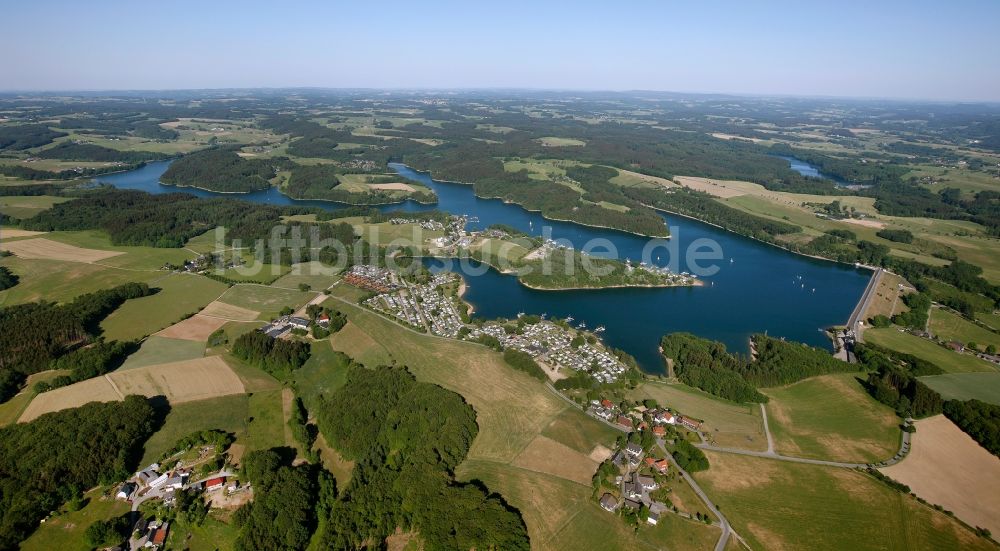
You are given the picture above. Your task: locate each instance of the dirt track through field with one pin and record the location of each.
(179, 382)
(54, 250)
(948, 468)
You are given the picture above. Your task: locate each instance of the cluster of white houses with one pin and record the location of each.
(607, 410)
(425, 306)
(428, 307)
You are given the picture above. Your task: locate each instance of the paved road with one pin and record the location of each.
(723, 522)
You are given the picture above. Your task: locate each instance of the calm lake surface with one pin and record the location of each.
(807, 169)
(757, 287)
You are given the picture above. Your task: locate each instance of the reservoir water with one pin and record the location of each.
(811, 171)
(757, 288)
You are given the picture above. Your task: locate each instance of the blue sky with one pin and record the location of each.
(895, 49)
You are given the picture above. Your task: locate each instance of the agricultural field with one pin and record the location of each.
(824, 508)
(27, 206)
(385, 233)
(948, 468)
(575, 429)
(158, 349)
(323, 373)
(229, 312)
(266, 300)
(831, 417)
(358, 345)
(512, 409)
(950, 326)
(228, 413)
(313, 274)
(14, 407)
(40, 247)
(179, 382)
(62, 281)
(727, 423)
(180, 295)
(966, 386)
(132, 258)
(946, 359)
(266, 426)
(197, 328)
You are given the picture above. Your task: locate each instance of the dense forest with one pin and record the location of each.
(72, 151)
(26, 136)
(223, 170)
(707, 365)
(57, 456)
(279, 357)
(283, 512)
(8, 279)
(406, 438)
(34, 334)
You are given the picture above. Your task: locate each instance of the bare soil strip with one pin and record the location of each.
(53, 250)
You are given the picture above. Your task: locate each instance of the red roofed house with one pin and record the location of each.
(607, 403)
(649, 461)
(662, 465)
(161, 535)
(660, 430)
(624, 421)
(688, 423)
(215, 483)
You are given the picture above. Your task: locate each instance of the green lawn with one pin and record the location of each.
(65, 531)
(266, 427)
(784, 505)
(946, 359)
(214, 534)
(575, 429)
(728, 423)
(228, 413)
(833, 418)
(325, 372)
(160, 350)
(952, 327)
(966, 386)
(179, 295)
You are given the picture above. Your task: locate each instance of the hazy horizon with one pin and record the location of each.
(911, 51)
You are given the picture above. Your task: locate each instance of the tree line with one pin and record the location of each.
(35, 333)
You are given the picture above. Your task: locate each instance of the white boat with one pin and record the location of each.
(599, 329)
(569, 319)
(583, 325)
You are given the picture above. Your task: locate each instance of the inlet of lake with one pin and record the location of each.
(758, 288)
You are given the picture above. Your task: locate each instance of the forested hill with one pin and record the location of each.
(54, 458)
(34, 334)
(406, 438)
(223, 170)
